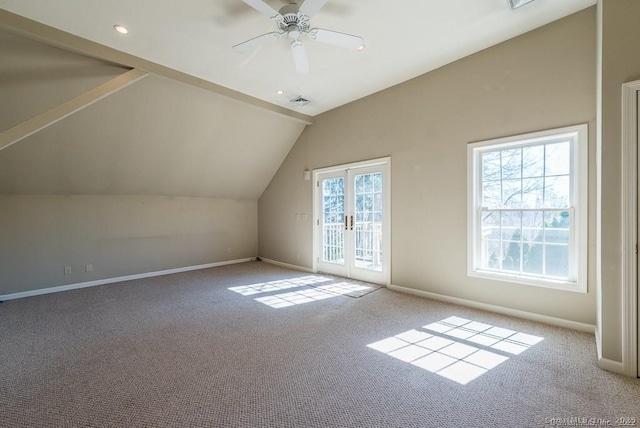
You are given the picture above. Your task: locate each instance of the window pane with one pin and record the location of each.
(491, 166)
(492, 194)
(511, 193)
(491, 225)
(557, 260)
(526, 206)
(532, 192)
(511, 163)
(377, 182)
(491, 252)
(368, 183)
(368, 202)
(532, 223)
(511, 260)
(557, 219)
(558, 159)
(359, 184)
(511, 226)
(359, 203)
(558, 235)
(533, 259)
(557, 191)
(533, 161)
(377, 202)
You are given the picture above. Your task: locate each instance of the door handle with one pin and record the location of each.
(346, 226)
(351, 222)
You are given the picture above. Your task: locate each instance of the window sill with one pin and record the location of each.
(575, 287)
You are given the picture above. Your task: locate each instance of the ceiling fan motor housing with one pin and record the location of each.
(292, 22)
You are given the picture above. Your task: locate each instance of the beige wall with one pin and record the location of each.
(118, 235)
(154, 137)
(540, 80)
(35, 77)
(620, 64)
(192, 163)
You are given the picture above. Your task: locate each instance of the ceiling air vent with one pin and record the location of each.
(300, 101)
(514, 4)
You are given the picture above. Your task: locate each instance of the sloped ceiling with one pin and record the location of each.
(154, 137)
(403, 39)
(163, 137)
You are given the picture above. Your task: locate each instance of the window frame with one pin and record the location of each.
(578, 203)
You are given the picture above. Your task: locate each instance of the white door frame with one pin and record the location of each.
(630, 162)
(386, 207)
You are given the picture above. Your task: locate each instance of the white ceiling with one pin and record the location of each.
(403, 39)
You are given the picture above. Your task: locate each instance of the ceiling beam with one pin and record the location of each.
(67, 108)
(59, 38)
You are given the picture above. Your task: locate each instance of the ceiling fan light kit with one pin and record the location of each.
(293, 21)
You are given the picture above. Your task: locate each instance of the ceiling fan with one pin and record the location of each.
(293, 22)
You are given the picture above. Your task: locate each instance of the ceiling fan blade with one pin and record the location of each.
(256, 41)
(334, 38)
(311, 7)
(300, 57)
(263, 8)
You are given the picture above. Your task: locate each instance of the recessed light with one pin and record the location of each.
(121, 29)
(280, 92)
(361, 47)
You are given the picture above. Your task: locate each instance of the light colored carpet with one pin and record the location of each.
(185, 350)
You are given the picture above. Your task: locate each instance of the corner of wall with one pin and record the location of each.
(599, 180)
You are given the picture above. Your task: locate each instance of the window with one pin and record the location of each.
(527, 209)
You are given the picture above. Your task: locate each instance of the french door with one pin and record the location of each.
(351, 220)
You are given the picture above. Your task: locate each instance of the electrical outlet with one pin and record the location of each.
(67, 270)
(88, 268)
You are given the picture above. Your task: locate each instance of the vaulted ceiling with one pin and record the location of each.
(154, 137)
(403, 39)
(207, 121)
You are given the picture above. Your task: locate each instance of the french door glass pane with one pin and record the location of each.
(333, 220)
(368, 221)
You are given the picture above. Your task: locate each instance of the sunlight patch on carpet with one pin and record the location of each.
(316, 293)
(284, 284)
(456, 348)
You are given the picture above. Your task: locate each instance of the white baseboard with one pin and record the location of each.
(117, 279)
(607, 364)
(598, 343)
(574, 325)
(286, 265)
(611, 366)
